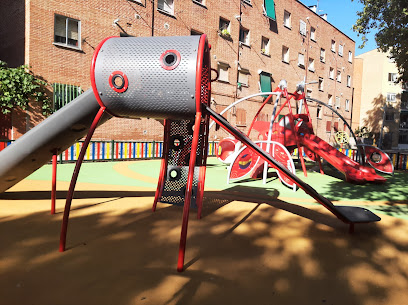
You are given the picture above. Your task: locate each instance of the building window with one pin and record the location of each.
(309, 93)
(301, 60)
(311, 65)
(389, 115)
(265, 82)
(67, 32)
(336, 126)
(328, 126)
(265, 46)
(392, 77)
(391, 97)
(285, 54)
(333, 46)
(319, 112)
(329, 99)
(350, 56)
(320, 83)
(313, 33)
(287, 20)
(348, 81)
(63, 94)
(323, 55)
(269, 9)
(337, 102)
(243, 77)
(241, 117)
(244, 36)
(302, 28)
(341, 49)
(223, 69)
(224, 28)
(166, 6)
(339, 76)
(347, 106)
(331, 73)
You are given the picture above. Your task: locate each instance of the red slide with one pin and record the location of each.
(353, 171)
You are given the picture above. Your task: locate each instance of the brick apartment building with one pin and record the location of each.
(255, 44)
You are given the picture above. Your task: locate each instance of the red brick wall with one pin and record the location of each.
(57, 64)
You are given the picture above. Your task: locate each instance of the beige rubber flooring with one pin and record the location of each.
(241, 252)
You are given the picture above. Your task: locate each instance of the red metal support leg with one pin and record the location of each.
(189, 186)
(163, 166)
(70, 195)
(54, 182)
(317, 157)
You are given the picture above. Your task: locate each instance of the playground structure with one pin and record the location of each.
(293, 131)
(163, 78)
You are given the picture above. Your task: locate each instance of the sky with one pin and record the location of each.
(343, 14)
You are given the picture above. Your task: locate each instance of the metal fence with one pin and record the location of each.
(130, 150)
(114, 150)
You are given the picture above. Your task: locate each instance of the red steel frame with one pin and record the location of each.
(54, 182)
(196, 136)
(74, 179)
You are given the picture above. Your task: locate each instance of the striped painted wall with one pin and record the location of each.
(122, 150)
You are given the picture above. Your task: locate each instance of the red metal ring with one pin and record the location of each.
(125, 79)
(173, 65)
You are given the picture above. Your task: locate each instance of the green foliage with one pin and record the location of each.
(389, 19)
(18, 86)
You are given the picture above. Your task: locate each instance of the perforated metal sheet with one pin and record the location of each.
(152, 90)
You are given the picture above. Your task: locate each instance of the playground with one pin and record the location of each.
(255, 244)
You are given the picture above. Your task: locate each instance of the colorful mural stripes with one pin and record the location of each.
(122, 150)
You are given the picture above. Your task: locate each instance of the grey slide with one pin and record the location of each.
(57, 132)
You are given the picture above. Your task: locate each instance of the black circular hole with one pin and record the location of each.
(176, 142)
(170, 59)
(174, 174)
(375, 157)
(118, 81)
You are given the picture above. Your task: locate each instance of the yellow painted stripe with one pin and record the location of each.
(138, 150)
(125, 148)
(77, 146)
(149, 146)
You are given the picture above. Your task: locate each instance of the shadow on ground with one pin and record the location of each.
(251, 251)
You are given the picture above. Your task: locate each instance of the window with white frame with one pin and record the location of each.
(287, 19)
(331, 73)
(313, 33)
(67, 32)
(348, 81)
(301, 60)
(321, 81)
(166, 6)
(302, 28)
(341, 47)
(309, 92)
(265, 46)
(224, 27)
(244, 36)
(391, 97)
(347, 106)
(337, 102)
(350, 56)
(392, 77)
(322, 55)
(339, 76)
(285, 54)
(311, 65)
(243, 77)
(333, 46)
(319, 112)
(223, 71)
(329, 99)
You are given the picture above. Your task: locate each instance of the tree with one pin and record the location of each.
(390, 19)
(18, 86)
